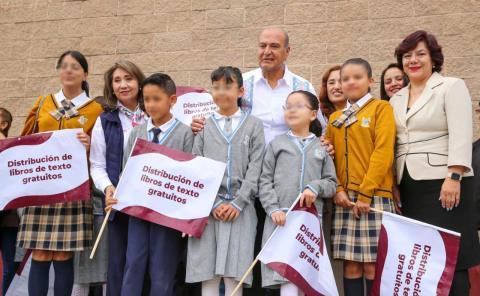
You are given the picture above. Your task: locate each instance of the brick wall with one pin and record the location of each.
(189, 38)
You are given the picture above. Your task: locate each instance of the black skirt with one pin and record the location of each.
(420, 202)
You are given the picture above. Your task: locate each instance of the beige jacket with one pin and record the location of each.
(437, 130)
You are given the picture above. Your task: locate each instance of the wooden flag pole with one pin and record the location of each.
(99, 236)
(250, 268)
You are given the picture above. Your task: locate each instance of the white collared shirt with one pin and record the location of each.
(267, 103)
(360, 102)
(302, 141)
(77, 101)
(236, 117)
(164, 127)
(98, 151)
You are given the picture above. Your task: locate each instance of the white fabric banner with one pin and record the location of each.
(414, 258)
(193, 102)
(169, 187)
(302, 258)
(43, 168)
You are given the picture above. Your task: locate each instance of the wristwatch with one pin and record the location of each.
(454, 176)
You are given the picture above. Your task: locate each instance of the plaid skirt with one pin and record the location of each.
(57, 227)
(356, 239)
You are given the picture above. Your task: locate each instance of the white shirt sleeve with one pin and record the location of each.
(98, 163)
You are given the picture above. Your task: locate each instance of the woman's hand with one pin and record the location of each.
(328, 146)
(231, 213)
(84, 139)
(450, 194)
(360, 207)
(109, 199)
(342, 199)
(278, 218)
(197, 125)
(396, 199)
(308, 198)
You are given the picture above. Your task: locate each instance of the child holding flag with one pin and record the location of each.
(225, 249)
(363, 135)
(294, 162)
(151, 246)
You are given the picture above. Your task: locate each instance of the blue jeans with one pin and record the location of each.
(8, 237)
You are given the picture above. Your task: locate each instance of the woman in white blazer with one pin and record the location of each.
(433, 116)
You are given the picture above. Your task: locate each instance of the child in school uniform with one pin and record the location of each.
(294, 162)
(363, 135)
(152, 247)
(225, 249)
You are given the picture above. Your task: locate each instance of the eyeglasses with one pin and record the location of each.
(291, 107)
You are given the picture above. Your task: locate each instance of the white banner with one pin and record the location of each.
(302, 258)
(169, 187)
(414, 258)
(43, 168)
(193, 102)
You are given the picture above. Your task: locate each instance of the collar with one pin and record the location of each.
(362, 101)
(310, 136)
(287, 76)
(78, 101)
(434, 80)
(164, 127)
(237, 114)
(137, 108)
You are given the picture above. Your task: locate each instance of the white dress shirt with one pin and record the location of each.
(267, 102)
(77, 102)
(236, 117)
(164, 128)
(360, 102)
(98, 150)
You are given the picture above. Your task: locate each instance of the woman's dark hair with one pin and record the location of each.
(315, 125)
(230, 74)
(325, 105)
(80, 58)
(411, 41)
(161, 80)
(383, 92)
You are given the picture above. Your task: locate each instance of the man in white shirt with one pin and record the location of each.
(267, 87)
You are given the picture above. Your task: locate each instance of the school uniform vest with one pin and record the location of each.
(112, 129)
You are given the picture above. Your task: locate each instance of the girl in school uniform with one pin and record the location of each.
(294, 162)
(225, 249)
(124, 111)
(55, 231)
(152, 247)
(363, 136)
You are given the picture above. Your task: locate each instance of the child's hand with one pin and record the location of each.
(231, 213)
(185, 235)
(219, 211)
(308, 198)
(328, 146)
(360, 208)
(342, 199)
(84, 139)
(197, 125)
(278, 218)
(109, 199)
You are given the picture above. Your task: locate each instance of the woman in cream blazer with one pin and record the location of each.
(433, 154)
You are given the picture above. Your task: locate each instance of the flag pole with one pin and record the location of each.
(250, 268)
(99, 236)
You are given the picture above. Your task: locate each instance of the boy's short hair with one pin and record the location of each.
(230, 74)
(5, 115)
(163, 81)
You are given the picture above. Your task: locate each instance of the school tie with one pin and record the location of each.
(348, 117)
(228, 125)
(66, 109)
(156, 131)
